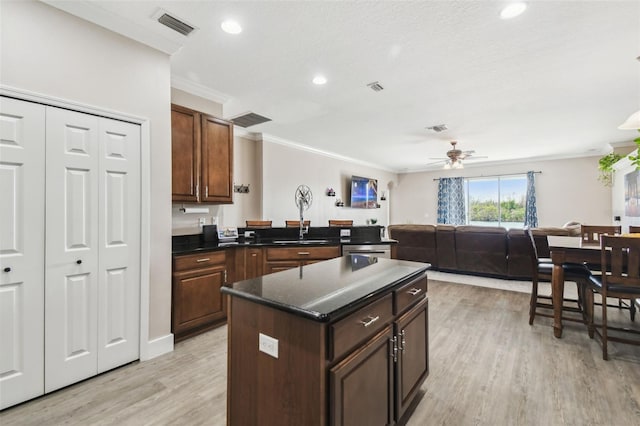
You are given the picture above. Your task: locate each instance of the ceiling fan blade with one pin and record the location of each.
(475, 157)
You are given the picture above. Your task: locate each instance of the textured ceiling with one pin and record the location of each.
(554, 82)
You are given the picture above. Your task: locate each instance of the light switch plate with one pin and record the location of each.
(268, 345)
(345, 233)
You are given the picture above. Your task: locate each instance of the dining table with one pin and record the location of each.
(566, 249)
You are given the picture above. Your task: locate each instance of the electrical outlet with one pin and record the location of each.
(202, 221)
(268, 345)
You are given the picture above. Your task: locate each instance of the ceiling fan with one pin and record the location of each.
(455, 157)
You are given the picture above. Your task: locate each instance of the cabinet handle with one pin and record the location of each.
(225, 276)
(414, 291)
(254, 254)
(202, 260)
(206, 191)
(7, 269)
(303, 253)
(79, 261)
(394, 349)
(371, 320)
(403, 342)
(197, 191)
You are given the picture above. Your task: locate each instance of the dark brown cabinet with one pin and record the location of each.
(379, 381)
(364, 368)
(197, 303)
(282, 258)
(362, 385)
(202, 157)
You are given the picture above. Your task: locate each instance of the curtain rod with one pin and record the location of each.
(489, 176)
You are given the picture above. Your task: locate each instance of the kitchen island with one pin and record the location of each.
(340, 342)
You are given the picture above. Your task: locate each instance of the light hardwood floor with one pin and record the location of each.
(487, 367)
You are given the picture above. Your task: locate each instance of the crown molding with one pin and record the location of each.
(241, 132)
(198, 89)
(89, 11)
(301, 147)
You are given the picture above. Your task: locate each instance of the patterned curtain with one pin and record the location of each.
(451, 209)
(530, 210)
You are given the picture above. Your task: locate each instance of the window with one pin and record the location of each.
(496, 201)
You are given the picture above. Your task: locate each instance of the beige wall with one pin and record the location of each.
(566, 190)
(49, 52)
(286, 167)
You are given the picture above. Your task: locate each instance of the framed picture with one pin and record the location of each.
(631, 194)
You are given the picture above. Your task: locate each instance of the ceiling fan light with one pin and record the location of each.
(633, 122)
(447, 165)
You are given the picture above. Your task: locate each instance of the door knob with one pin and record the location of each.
(79, 261)
(7, 269)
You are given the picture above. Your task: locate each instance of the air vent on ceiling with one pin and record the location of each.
(438, 128)
(375, 86)
(249, 119)
(175, 24)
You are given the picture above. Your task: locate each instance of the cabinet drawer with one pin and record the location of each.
(199, 260)
(302, 253)
(347, 333)
(410, 293)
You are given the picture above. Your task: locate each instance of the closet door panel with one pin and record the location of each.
(22, 141)
(119, 241)
(71, 291)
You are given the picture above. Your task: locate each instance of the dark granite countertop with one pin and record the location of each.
(321, 236)
(327, 290)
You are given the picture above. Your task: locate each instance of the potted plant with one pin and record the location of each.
(605, 165)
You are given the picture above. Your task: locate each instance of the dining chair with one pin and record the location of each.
(634, 229)
(340, 222)
(591, 233)
(296, 223)
(621, 260)
(258, 224)
(541, 269)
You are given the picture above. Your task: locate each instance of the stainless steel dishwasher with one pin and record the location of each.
(377, 250)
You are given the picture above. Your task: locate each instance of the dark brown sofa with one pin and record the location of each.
(475, 250)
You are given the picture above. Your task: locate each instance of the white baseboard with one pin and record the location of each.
(156, 347)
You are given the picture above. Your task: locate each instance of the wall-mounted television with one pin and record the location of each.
(364, 193)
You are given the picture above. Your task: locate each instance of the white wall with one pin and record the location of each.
(565, 190)
(286, 167)
(49, 52)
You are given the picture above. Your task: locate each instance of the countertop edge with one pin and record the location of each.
(332, 316)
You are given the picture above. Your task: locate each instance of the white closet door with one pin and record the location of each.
(119, 242)
(71, 294)
(22, 139)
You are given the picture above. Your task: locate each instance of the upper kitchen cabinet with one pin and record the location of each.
(202, 157)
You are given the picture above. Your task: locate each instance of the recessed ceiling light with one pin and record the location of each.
(230, 26)
(319, 80)
(513, 10)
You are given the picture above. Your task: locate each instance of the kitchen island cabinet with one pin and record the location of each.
(341, 342)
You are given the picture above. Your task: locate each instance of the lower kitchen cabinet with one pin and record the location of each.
(197, 303)
(282, 258)
(377, 383)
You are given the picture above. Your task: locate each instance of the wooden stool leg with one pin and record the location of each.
(534, 300)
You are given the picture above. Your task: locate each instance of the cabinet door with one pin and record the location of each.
(185, 154)
(119, 244)
(217, 160)
(253, 263)
(361, 386)
(22, 143)
(271, 267)
(71, 293)
(412, 367)
(197, 301)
